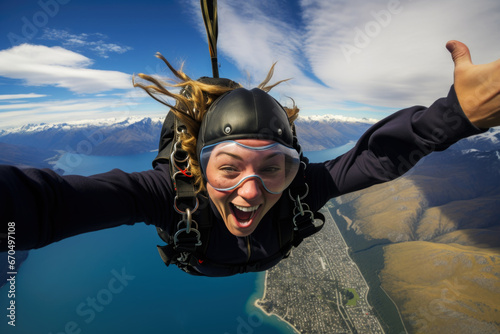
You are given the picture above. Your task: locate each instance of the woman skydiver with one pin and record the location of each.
(243, 160)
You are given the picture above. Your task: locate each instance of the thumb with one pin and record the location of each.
(459, 52)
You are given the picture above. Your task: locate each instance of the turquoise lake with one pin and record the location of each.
(113, 281)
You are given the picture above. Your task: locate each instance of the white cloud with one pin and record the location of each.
(94, 42)
(113, 93)
(399, 60)
(397, 53)
(39, 65)
(20, 96)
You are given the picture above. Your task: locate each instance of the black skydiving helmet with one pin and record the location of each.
(226, 162)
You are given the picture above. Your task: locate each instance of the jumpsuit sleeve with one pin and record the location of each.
(390, 148)
(47, 207)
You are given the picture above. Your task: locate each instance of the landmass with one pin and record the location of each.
(439, 231)
(319, 288)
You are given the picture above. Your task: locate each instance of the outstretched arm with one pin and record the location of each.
(394, 145)
(477, 86)
(47, 207)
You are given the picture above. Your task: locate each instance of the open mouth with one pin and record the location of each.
(244, 214)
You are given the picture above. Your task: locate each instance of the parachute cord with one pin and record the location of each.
(209, 12)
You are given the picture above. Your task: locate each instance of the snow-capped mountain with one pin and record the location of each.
(327, 131)
(100, 137)
(336, 118)
(105, 122)
(138, 135)
(38, 142)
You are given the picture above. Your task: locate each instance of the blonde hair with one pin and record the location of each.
(193, 101)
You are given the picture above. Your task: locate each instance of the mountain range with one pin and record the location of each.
(439, 227)
(35, 144)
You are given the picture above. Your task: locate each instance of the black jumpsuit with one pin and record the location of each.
(48, 207)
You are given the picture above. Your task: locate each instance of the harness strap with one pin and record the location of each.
(166, 139)
(305, 221)
(189, 235)
(189, 248)
(232, 269)
(179, 171)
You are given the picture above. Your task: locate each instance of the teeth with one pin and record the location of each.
(246, 208)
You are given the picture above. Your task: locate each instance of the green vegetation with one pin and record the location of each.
(353, 297)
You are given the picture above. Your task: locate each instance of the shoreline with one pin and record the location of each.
(272, 314)
(397, 307)
(349, 227)
(269, 309)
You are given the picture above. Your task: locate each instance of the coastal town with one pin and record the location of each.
(319, 289)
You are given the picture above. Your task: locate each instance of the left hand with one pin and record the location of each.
(477, 86)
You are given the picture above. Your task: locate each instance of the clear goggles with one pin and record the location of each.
(229, 164)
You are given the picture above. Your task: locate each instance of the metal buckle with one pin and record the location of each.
(301, 209)
(308, 212)
(198, 236)
(298, 198)
(176, 160)
(187, 219)
(197, 204)
(191, 226)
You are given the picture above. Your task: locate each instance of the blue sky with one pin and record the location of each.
(72, 60)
